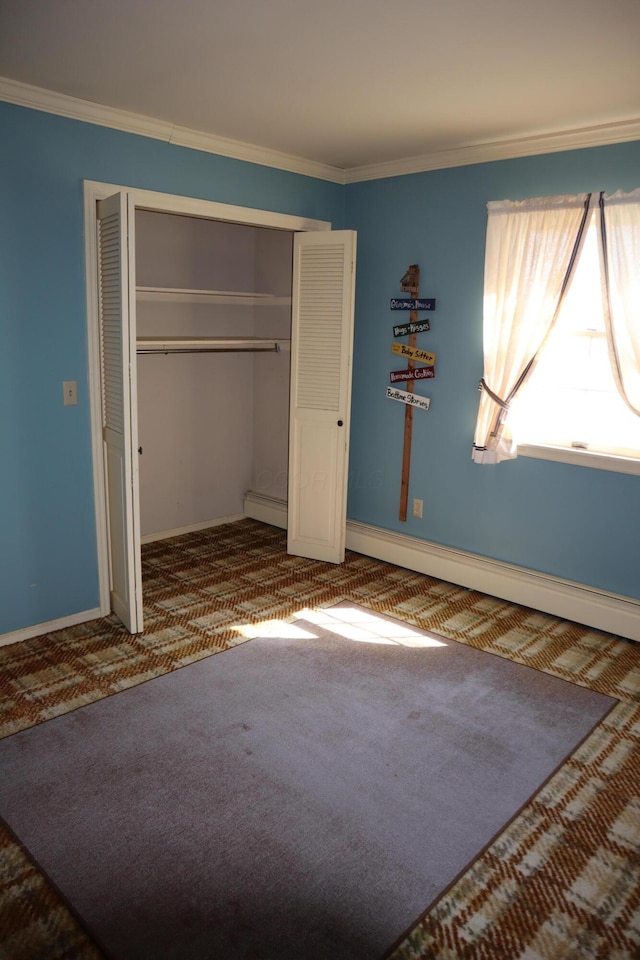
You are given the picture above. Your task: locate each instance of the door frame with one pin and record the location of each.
(161, 203)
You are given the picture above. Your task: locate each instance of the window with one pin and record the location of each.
(561, 331)
(571, 399)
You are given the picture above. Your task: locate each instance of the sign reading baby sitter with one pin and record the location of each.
(414, 354)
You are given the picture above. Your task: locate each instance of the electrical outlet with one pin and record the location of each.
(70, 392)
(417, 508)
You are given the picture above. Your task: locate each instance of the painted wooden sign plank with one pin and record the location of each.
(413, 353)
(404, 328)
(412, 303)
(420, 373)
(411, 399)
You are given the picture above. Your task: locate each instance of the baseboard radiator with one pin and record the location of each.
(560, 598)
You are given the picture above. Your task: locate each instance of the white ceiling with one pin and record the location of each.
(341, 82)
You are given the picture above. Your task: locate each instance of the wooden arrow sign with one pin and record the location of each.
(404, 396)
(412, 303)
(420, 373)
(413, 353)
(404, 328)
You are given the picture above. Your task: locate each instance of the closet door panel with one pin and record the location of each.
(116, 299)
(322, 339)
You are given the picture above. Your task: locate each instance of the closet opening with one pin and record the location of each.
(220, 343)
(213, 344)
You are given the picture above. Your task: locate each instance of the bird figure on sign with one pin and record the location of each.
(411, 279)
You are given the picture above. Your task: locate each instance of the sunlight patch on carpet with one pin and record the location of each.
(349, 622)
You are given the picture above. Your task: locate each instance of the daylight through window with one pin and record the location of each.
(561, 330)
(571, 398)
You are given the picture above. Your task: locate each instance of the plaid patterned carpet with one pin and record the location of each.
(562, 882)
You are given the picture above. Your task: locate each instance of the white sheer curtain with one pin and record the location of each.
(619, 237)
(532, 247)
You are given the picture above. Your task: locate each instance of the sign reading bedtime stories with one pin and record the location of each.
(412, 303)
(411, 399)
(413, 353)
(404, 328)
(420, 373)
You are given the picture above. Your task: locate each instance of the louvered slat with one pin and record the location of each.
(320, 328)
(110, 293)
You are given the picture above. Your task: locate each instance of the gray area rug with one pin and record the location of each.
(302, 796)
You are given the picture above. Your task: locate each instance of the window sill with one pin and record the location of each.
(581, 458)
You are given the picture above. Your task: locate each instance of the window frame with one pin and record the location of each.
(580, 458)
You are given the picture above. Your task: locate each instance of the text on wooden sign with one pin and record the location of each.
(411, 399)
(404, 328)
(412, 303)
(420, 373)
(413, 353)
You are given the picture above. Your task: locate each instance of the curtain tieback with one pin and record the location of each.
(483, 385)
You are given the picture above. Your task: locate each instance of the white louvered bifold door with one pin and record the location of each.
(116, 292)
(321, 348)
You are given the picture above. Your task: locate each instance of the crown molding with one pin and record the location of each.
(37, 98)
(596, 136)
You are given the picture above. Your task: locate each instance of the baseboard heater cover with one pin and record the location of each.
(561, 598)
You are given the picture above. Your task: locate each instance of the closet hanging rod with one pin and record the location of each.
(192, 344)
(159, 350)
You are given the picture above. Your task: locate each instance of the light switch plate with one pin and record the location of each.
(70, 392)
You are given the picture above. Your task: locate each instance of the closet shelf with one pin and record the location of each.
(207, 344)
(225, 297)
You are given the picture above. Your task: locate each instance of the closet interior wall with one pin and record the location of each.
(211, 425)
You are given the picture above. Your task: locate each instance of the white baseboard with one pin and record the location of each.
(49, 627)
(266, 509)
(191, 528)
(560, 598)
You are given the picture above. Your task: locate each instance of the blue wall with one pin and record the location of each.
(574, 522)
(48, 564)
